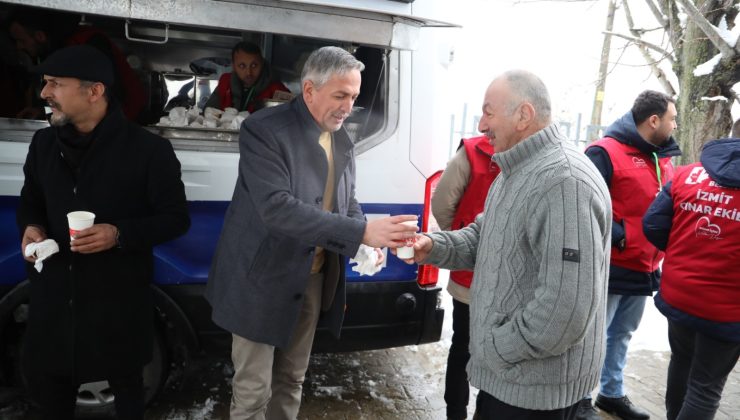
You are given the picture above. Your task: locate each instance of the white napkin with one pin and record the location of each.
(236, 123)
(178, 117)
(42, 250)
(211, 112)
(193, 114)
(366, 260)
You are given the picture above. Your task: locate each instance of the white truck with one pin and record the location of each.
(400, 131)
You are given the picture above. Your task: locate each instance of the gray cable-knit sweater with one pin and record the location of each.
(541, 257)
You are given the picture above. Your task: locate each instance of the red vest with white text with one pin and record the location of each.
(634, 185)
(701, 271)
(482, 173)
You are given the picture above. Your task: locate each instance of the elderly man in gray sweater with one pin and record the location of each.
(540, 253)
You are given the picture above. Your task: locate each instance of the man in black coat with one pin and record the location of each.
(91, 315)
(293, 213)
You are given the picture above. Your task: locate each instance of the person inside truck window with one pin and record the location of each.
(252, 85)
(13, 78)
(29, 34)
(34, 32)
(92, 316)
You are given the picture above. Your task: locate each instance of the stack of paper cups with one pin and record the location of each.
(79, 220)
(406, 252)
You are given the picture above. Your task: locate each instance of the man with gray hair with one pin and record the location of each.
(277, 266)
(540, 257)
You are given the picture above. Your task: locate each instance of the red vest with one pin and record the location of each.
(701, 272)
(224, 92)
(482, 173)
(134, 95)
(633, 188)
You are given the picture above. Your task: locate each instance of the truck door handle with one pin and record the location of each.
(149, 41)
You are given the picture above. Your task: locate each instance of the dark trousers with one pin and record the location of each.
(456, 380)
(57, 395)
(697, 372)
(489, 408)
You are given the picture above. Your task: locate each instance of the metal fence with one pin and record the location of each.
(467, 126)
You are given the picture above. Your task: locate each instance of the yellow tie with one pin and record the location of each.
(325, 141)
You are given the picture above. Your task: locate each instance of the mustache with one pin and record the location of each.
(53, 104)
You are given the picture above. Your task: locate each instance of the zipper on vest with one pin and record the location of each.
(657, 172)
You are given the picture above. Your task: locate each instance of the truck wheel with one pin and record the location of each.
(95, 399)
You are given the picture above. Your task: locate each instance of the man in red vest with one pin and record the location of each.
(249, 84)
(459, 197)
(696, 220)
(634, 159)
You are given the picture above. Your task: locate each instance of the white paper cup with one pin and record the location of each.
(79, 220)
(406, 252)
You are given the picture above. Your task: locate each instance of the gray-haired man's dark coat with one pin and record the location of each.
(274, 222)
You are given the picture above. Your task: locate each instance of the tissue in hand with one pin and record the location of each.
(366, 260)
(42, 250)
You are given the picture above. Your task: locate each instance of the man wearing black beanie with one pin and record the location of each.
(91, 316)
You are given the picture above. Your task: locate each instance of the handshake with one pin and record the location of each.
(399, 233)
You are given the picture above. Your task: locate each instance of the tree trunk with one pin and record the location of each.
(702, 120)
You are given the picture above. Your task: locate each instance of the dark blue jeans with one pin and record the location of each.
(456, 379)
(697, 372)
(489, 407)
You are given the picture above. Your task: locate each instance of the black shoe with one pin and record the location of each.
(586, 411)
(621, 407)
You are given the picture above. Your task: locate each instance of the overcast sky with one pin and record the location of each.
(559, 41)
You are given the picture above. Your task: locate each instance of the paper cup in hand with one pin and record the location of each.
(79, 220)
(406, 252)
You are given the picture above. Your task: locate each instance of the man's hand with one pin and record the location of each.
(96, 238)
(381, 257)
(422, 248)
(389, 231)
(32, 234)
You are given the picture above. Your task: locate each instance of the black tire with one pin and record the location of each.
(95, 399)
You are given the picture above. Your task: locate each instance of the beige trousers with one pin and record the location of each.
(268, 381)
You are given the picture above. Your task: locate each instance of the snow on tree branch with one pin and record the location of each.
(709, 30)
(708, 67)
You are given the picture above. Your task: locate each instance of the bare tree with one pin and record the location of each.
(692, 38)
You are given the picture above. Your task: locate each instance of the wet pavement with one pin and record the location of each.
(403, 383)
(408, 382)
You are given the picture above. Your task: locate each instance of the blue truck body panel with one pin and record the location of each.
(186, 260)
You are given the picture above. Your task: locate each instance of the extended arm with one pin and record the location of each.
(455, 250)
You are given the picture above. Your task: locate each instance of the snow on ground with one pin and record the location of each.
(386, 384)
(201, 411)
